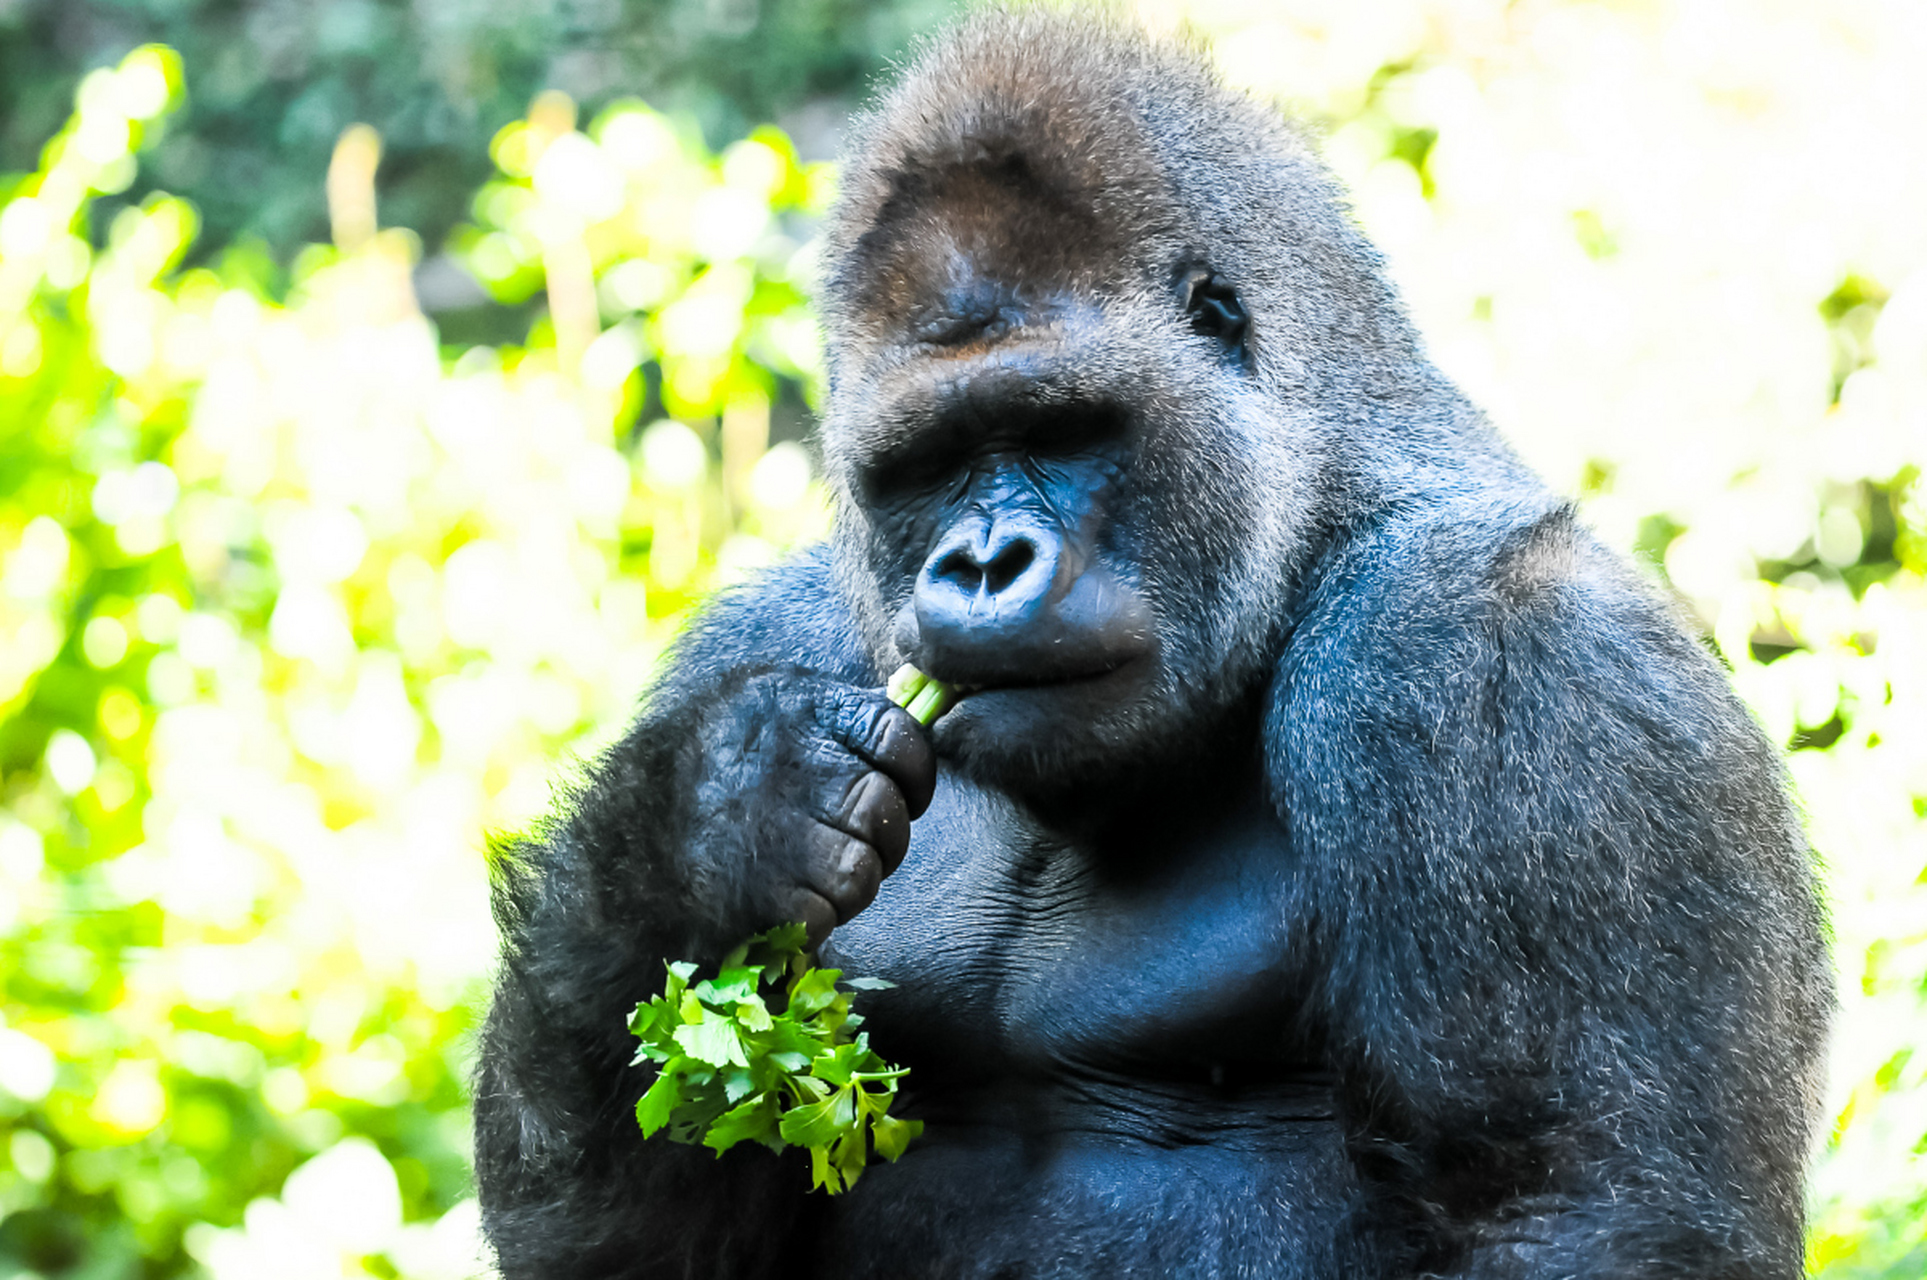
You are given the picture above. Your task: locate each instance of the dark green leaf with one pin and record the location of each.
(731, 986)
(893, 1136)
(738, 1083)
(785, 1036)
(848, 1154)
(754, 1120)
(814, 992)
(822, 1173)
(810, 1086)
(838, 1064)
(789, 938)
(816, 1123)
(655, 1107)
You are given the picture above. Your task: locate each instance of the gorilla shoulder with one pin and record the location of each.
(786, 614)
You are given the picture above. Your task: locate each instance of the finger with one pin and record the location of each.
(887, 737)
(843, 870)
(871, 807)
(813, 911)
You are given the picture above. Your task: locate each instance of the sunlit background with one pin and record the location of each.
(344, 498)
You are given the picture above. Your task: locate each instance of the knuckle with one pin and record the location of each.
(872, 808)
(895, 735)
(864, 720)
(892, 730)
(848, 874)
(812, 910)
(848, 794)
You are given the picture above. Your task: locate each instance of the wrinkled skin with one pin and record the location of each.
(1340, 865)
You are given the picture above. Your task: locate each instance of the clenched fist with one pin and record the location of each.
(803, 799)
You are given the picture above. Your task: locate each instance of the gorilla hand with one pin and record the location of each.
(804, 798)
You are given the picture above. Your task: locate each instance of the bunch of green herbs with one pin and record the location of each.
(768, 1051)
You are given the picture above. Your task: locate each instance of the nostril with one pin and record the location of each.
(961, 568)
(1008, 564)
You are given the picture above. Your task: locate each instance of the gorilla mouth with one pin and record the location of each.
(1042, 680)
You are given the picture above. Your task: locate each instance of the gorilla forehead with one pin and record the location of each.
(1001, 142)
(1031, 161)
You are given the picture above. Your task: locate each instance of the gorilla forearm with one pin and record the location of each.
(570, 1188)
(589, 914)
(688, 835)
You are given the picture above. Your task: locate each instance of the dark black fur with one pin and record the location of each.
(1414, 899)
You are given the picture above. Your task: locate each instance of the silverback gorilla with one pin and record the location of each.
(1341, 865)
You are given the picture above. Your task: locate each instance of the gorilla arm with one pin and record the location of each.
(1555, 884)
(634, 872)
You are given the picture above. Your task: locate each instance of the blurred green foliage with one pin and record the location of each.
(301, 594)
(294, 609)
(272, 83)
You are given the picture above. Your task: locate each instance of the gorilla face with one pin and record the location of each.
(1059, 484)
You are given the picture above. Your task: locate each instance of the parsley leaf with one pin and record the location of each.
(768, 1051)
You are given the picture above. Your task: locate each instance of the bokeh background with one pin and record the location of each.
(382, 383)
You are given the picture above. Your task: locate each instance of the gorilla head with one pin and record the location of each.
(1091, 316)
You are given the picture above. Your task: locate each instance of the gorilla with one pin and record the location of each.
(1340, 863)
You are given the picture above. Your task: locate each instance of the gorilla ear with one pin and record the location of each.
(1213, 308)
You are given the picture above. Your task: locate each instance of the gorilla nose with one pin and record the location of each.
(1007, 601)
(993, 578)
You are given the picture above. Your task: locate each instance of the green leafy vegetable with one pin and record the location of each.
(768, 1051)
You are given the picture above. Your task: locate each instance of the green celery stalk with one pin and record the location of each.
(920, 695)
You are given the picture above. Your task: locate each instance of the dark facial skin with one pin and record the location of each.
(1016, 594)
(1007, 503)
(1020, 586)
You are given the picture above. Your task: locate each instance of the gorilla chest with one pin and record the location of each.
(1166, 949)
(1105, 1048)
